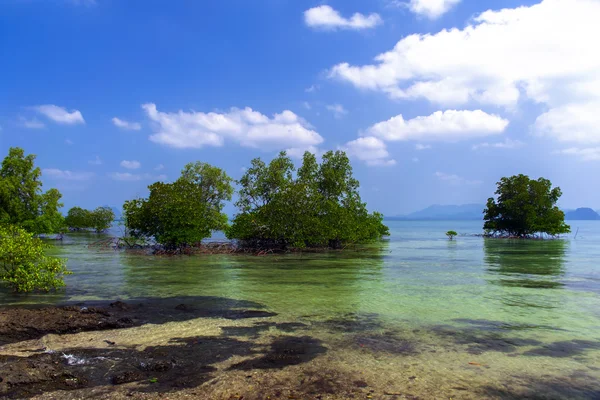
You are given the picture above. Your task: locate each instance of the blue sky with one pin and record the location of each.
(434, 100)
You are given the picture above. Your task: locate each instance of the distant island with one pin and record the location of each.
(474, 212)
(582, 214)
(439, 212)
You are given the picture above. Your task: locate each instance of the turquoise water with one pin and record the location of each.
(528, 307)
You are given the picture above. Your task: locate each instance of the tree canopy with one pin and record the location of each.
(22, 201)
(319, 206)
(525, 207)
(99, 219)
(184, 212)
(23, 264)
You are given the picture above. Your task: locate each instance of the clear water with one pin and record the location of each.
(530, 308)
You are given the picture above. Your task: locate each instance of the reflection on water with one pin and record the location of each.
(526, 263)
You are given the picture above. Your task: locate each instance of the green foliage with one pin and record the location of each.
(23, 264)
(78, 218)
(102, 218)
(184, 212)
(99, 220)
(22, 201)
(320, 207)
(525, 207)
(451, 234)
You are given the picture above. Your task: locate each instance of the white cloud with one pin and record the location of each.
(338, 110)
(585, 154)
(431, 9)
(371, 150)
(415, 159)
(130, 164)
(66, 175)
(60, 115)
(159, 167)
(307, 105)
(420, 146)
(129, 177)
(325, 17)
(95, 161)
(245, 126)
(312, 88)
(298, 152)
(572, 123)
(506, 144)
(450, 125)
(69, 142)
(131, 126)
(455, 179)
(542, 53)
(31, 123)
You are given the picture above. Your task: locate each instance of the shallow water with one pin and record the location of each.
(524, 312)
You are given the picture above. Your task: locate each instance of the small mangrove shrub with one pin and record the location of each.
(451, 234)
(23, 264)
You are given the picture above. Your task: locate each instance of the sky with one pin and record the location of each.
(433, 100)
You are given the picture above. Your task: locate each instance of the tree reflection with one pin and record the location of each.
(526, 263)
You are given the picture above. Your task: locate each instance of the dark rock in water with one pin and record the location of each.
(184, 307)
(126, 377)
(284, 352)
(119, 305)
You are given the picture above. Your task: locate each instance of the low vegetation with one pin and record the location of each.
(23, 263)
(524, 208)
(319, 206)
(451, 234)
(99, 219)
(183, 213)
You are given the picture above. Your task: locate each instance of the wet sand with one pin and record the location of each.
(213, 348)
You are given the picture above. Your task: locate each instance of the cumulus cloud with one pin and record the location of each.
(455, 179)
(585, 154)
(370, 150)
(325, 17)
(571, 123)
(420, 146)
(131, 126)
(130, 164)
(431, 9)
(60, 115)
(506, 144)
(541, 53)
(66, 175)
(129, 177)
(338, 110)
(244, 126)
(312, 88)
(450, 125)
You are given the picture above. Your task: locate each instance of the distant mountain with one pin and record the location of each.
(445, 212)
(586, 214)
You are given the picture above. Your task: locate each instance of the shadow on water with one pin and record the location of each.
(33, 322)
(578, 385)
(183, 363)
(538, 264)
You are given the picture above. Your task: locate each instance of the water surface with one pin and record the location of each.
(527, 310)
